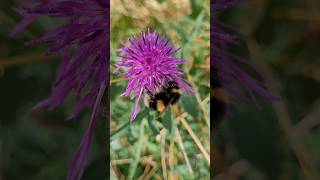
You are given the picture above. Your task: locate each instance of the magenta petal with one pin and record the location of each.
(23, 24)
(136, 107)
(77, 164)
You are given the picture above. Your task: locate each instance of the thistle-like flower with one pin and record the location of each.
(147, 63)
(83, 43)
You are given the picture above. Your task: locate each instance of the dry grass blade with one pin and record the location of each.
(281, 110)
(307, 123)
(114, 172)
(121, 161)
(151, 173)
(206, 100)
(180, 142)
(163, 135)
(24, 59)
(234, 171)
(195, 138)
(199, 101)
(145, 172)
(116, 80)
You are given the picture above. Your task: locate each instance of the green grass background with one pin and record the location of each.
(139, 151)
(280, 37)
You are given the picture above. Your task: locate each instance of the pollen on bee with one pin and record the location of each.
(160, 106)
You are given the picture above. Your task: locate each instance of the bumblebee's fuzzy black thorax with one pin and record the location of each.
(168, 95)
(173, 92)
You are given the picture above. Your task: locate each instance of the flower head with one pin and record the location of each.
(83, 43)
(147, 63)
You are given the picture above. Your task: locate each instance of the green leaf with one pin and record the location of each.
(257, 138)
(127, 124)
(151, 118)
(137, 153)
(189, 104)
(168, 123)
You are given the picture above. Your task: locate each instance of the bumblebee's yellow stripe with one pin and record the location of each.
(160, 105)
(175, 90)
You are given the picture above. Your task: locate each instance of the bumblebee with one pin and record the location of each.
(219, 101)
(169, 94)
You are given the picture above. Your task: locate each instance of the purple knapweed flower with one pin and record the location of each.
(83, 43)
(227, 66)
(147, 63)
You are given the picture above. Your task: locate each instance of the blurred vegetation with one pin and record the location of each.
(279, 140)
(37, 145)
(163, 149)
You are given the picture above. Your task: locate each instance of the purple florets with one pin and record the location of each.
(148, 63)
(83, 43)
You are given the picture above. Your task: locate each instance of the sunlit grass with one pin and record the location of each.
(179, 144)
